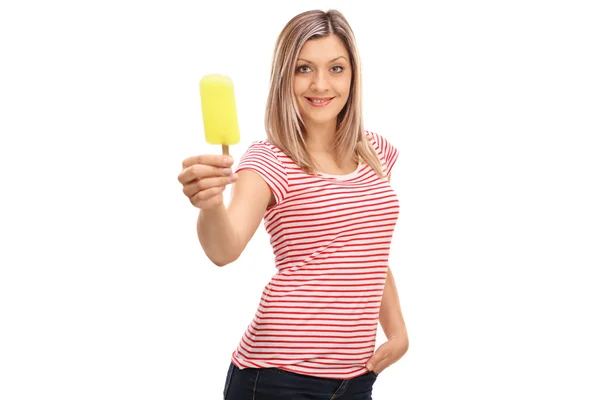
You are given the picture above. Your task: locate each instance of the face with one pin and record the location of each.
(322, 79)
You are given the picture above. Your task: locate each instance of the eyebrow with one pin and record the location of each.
(310, 62)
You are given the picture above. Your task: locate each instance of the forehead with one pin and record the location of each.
(322, 50)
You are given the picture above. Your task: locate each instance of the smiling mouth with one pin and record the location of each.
(319, 101)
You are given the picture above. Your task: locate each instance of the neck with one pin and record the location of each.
(320, 137)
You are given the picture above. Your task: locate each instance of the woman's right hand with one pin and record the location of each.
(204, 178)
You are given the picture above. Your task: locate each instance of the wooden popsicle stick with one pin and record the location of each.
(225, 149)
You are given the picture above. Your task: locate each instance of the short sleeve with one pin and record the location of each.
(261, 157)
(388, 154)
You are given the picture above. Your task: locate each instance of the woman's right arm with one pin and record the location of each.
(225, 232)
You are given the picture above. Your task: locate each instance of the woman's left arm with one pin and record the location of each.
(390, 314)
(392, 323)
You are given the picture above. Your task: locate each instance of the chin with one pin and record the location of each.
(320, 120)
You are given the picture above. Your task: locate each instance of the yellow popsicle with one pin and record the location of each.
(219, 112)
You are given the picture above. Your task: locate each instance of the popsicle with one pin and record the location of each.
(219, 113)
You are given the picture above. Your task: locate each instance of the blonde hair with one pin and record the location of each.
(283, 122)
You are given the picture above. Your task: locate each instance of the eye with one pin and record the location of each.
(337, 69)
(303, 69)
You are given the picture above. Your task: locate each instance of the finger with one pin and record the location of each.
(378, 365)
(191, 188)
(211, 202)
(197, 171)
(205, 195)
(208, 159)
(376, 358)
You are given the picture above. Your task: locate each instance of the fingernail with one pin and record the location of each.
(370, 367)
(226, 171)
(233, 177)
(228, 160)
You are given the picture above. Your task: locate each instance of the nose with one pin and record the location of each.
(319, 82)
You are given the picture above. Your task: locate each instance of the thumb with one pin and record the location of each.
(375, 359)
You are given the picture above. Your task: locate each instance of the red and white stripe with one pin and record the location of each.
(331, 240)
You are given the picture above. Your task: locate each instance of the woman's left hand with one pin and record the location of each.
(387, 354)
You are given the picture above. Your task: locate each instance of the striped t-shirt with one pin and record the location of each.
(331, 239)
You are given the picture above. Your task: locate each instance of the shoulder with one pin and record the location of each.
(265, 151)
(386, 151)
(265, 159)
(378, 140)
(264, 147)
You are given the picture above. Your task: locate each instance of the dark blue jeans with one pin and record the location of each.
(277, 384)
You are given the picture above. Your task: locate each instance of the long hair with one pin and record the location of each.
(283, 122)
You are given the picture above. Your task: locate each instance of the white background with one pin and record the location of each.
(105, 292)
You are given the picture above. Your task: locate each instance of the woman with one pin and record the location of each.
(321, 184)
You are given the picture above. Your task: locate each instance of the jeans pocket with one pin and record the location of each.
(228, 381)
(374, 374)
